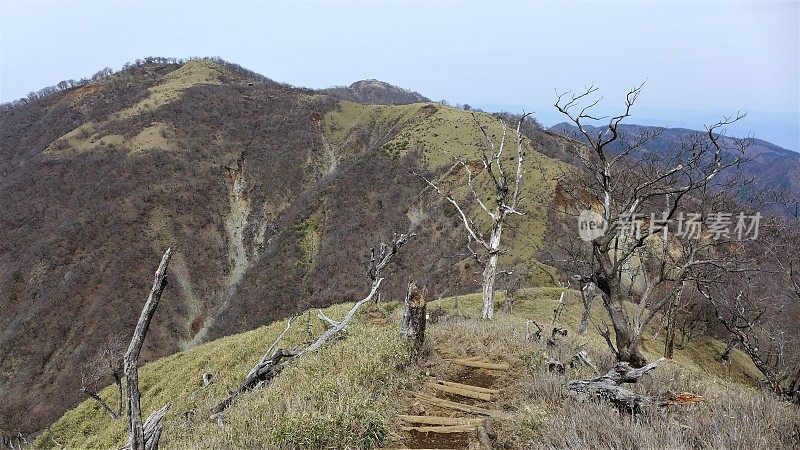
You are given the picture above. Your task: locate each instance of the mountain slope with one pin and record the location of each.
(270, 195)
(348, 393)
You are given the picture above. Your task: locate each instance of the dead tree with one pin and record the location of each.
(608, 387)
(142, 437)
(755, 297)
(749, 310)
(108, 362)
(622, 183)
(574, 258)
(412, 328)
(272, 364)
(505, 203)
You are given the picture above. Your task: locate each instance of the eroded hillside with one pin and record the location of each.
(270, 195)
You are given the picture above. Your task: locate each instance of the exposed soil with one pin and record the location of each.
(417, 439)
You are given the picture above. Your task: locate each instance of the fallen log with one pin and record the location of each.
(607, 387)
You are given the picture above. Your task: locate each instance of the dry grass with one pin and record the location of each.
(348, 394)
(733, 415)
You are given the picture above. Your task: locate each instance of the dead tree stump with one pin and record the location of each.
(412, 328)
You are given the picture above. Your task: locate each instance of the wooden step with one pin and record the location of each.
(485, 396)
(469, 387)
(437, 420)
(435, 401)
(443, 429)
(481, 364)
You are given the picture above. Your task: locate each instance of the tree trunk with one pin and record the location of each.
(412, 328)
(672, 318)
(136, 437)
(490, 271)
(587, 296)
(627, 342)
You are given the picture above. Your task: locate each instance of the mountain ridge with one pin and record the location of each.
(773, 167)
(270, 195)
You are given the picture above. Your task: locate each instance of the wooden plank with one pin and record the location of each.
(460, 391)
(442, 429)
(437, 420)
(469, 387)
(434, 401)
(481, 364)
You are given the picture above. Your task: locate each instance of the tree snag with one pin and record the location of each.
(137, 439)
(412, 328)
(507, 190)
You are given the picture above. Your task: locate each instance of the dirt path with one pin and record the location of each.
(456, 412)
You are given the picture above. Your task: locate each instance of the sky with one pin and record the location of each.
(700, 60)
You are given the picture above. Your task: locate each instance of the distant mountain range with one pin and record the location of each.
(773, 167)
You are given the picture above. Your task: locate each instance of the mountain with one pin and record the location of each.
(271, 197)
(376, 92)
(773, 167)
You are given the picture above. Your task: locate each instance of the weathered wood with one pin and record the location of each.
(434, 401)
(438, 420)
(136, 434)
(622, 372)
(481, 364)
(505, 203)
(613, 393)
(269, 354)
(470, 387)
(152, 427)
(583, 359)
(330, 322)
(412, 328)
(607, 386)
(460, 391)
(442, 429)
(264, 372)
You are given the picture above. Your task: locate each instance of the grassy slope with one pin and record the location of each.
(91, 135)
(345, 395)
(438, 133)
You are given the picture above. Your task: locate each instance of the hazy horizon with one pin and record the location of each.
(701, 60)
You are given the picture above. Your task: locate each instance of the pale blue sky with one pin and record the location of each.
(700, 59)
